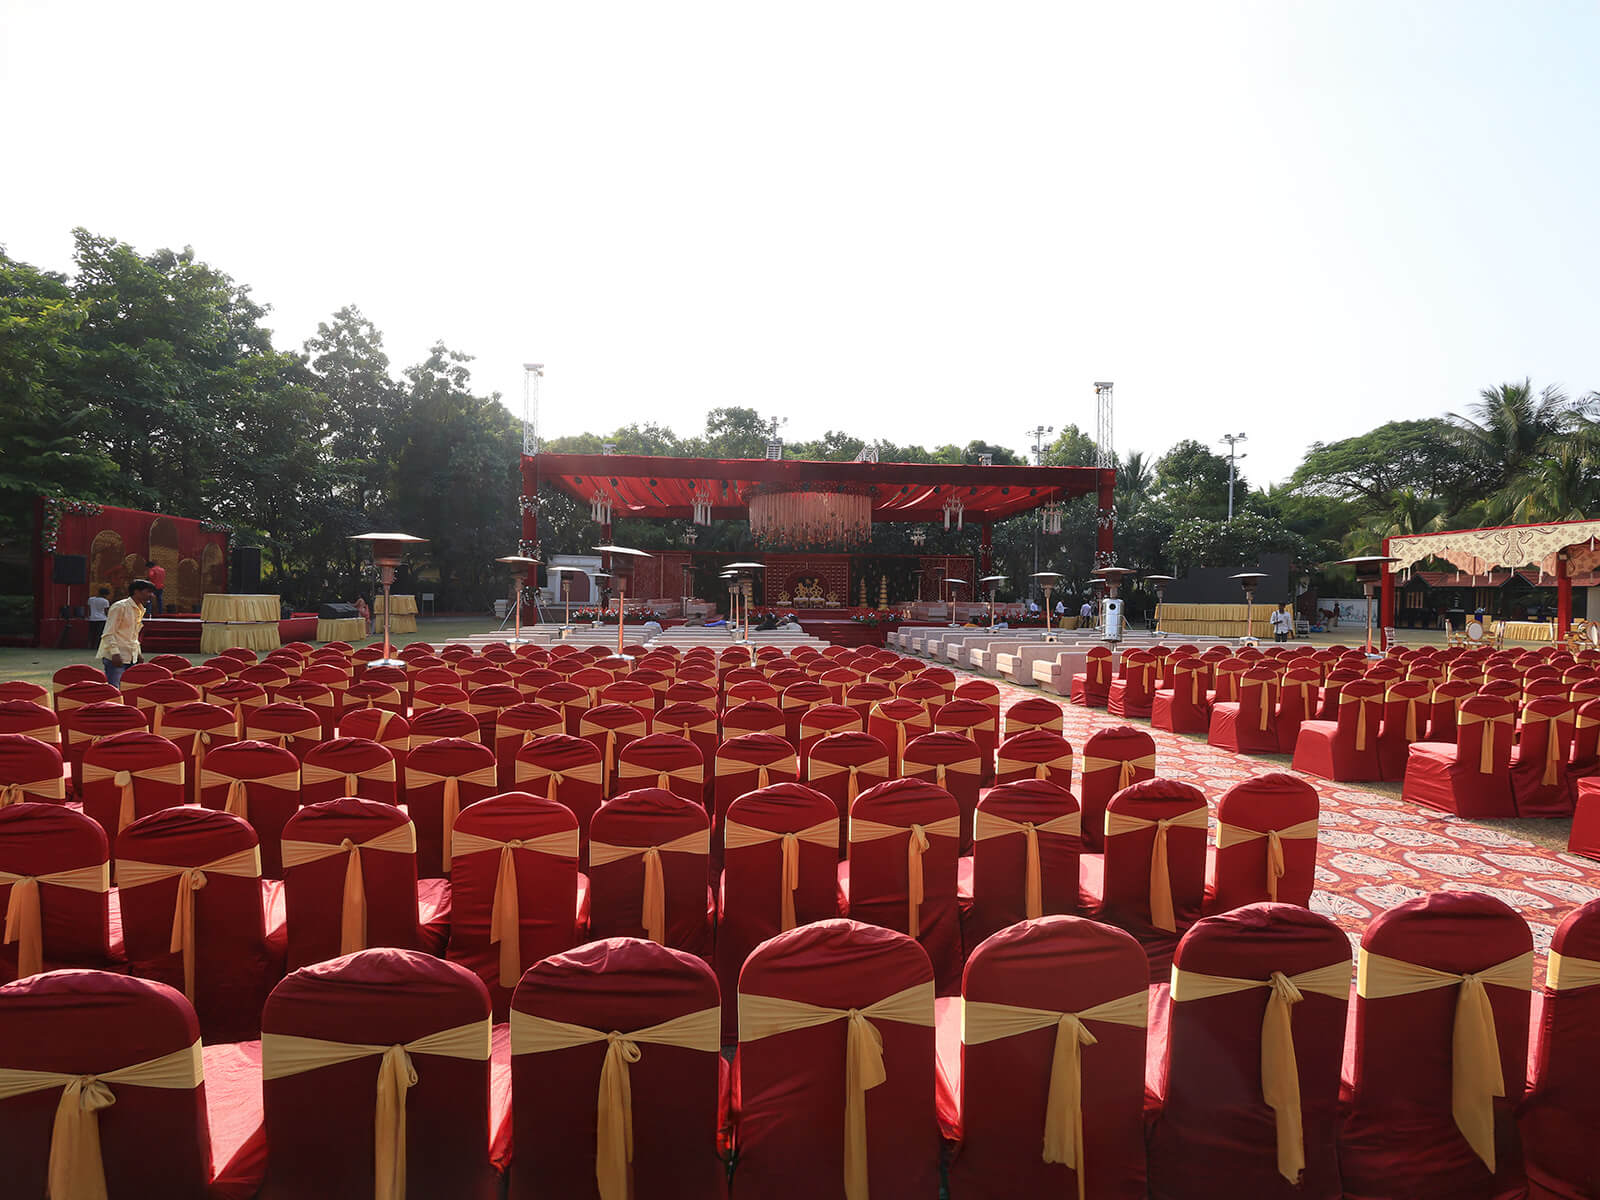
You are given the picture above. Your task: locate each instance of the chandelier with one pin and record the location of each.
(918, 537)
(953, 508)
(600, 509)
(702, 509)
(689, 537)
(1050, 518)
(810, 516)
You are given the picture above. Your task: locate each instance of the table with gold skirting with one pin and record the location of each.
(402, 614)
(232, 620)
(1528, 631)
(1214, 620)
(342, 629)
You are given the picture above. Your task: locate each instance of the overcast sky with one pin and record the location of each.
(924, 222)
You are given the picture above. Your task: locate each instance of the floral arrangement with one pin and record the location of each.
(636, 616)
(873, 619)
(56, 507)
(209, 526)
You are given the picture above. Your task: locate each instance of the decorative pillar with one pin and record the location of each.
(988, 550)
(1563, 596)
(529, 503)
(610, 585)
(1386, 600)
(1105, 550)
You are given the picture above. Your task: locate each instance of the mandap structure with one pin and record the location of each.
(807, 516)
(1562, 551)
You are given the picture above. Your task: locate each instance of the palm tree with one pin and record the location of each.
(1511, 429)
(1562, 485)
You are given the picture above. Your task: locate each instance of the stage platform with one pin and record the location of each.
(682, 636)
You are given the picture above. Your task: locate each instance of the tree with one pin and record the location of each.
(1198, 542)
(1072, 448)
(737, 433)
(1192, 480)
(364, 406)
(1509, 430)
(1370, 469)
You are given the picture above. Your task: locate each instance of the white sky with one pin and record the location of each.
(926, 222)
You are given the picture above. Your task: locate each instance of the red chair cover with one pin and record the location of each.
(259, 783)
(1345, 748)
(1266, 843)
(823, 720)
(515, 726)
(1027, 838)
(65, 852)
(486, 702)
(1299, 700)
(797, 700)
(843, 765)
(73, 1025)
(641, 837)
(895, 723)
(138, 676)
(631, 692)
(1407, 706)
(238, 695)
(951, 761)
(1092, 685)
(1035, 712)
(82, 726)
(1065, 965)
(863, 697)
(431, 724)
(156, 698)
(442, 778)
(131, 775)
(1401, 1136)
(1138, 820)
(1185, 706)
(792, 1085)
(76, 673)
(292, 726)
(885, 869)
(697, 723)
(387, 728)
(328, 770)
(1540, 785)
(690, 692)
(320, 1119)
(974, 719)
(364, 694)
(565, 770)
(233, 960)
(1249, 723)
(1218, 1135)
(629, 988)
(321, 886)
(1113, 759)
(1451, 775)
(521, 850)
(663, 760)
(32, 718)
(1562, 1108)
(31, 771)
(1035, 754)
(772, 828)
(438, 695)
(1130, 694)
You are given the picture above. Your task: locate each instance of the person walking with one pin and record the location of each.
(364, 613)
(157, 575)
(98, 604)
(1282, 623)
(119, 644)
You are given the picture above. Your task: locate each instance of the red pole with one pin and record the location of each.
(1386, 602)
(1105, 549)
(1563, 596)
(530, 509)
(988, 549)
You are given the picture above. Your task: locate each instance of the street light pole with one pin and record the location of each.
(1233, 456)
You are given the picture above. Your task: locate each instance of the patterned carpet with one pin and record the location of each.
(1375, 850)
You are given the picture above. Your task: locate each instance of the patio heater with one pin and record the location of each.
(950, 597)
(566, 595)
(1047, 580)
(1249, 580)
(1369, 569)
(747, 588)
(624, 553)
(733, 601)
(992, 581)
(1113, 577)
(387, 551)
(1159, 582)
(520, 566)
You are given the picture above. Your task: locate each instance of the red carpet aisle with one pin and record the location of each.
(1375, 851)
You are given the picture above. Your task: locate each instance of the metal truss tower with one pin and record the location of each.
(1104, 434)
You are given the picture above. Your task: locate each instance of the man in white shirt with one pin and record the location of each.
(119, 645)
(1282, 624)
(98, 604)
(1086, 615)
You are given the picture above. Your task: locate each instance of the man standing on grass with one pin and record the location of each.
(119, 645)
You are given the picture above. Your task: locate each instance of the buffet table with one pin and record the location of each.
(402, 614)
(231, 620)
(342, 629)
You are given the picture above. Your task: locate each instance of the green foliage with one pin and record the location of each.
(1198, 542)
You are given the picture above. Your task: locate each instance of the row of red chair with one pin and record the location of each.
(851, 1078)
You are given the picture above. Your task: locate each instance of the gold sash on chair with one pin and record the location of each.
(1476, 1074)
(988, 825)
(707, 725)
(1265, 707)
(482, 777)
(1411, 710)
(1233, 835)
(788, 764)
(916, 846)
(1552, 741)
(940, 771)
(821, 768)
(238, 799)
(505, 917)
(125, 780)
(693, 775)
(765, 1016)
(24, 921)
(653, 907)
(15, 791)
(1126, 767)
(76, 1171)
(1563, 972)
(856, 725)
(505, 733)
(614, 1107)
(1280, 1073)
(402, 839)
(50, 734)
(198, 741)
(242, 864)
(608, 752)
(1305, 687)
(1041, 770)
(312, 774)
(736, 836)
(1063, 1117)
(900, 729)
(1196, 676)
(589, 772)
(1486, 739)
(1361, 714)
(283, 1055)
(1162, 915)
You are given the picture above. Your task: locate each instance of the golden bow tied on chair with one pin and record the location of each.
(450, 801)
(24, 919)
(1233, 835)
(1280, 1073)
(1127, 768)
(1162, 914)
(402, 839)
(505, 920)
(241, 864)
(764, 1016)
(127, 784)
(590, 772)
(988, 825)
(817, 768)
(653, 905)
(736, 836)
(238, 797)
(18, 790)
(917, 845)
(614, 1110)
(1476, 1075)
(1063, 1121)
(1486, 740)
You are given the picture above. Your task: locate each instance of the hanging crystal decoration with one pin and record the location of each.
(953, 508)
(918, 537)
(1050, 518)
(600, 509)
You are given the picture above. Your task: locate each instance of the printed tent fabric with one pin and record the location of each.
(647, 868)
(617, 1036)
(1413, 1101)
(1255, 1037)
(1025, 856)
(140, 1045)
(824, 1011)
(1020, 1051)
(1562, 1109)
(1266, 843)
(516, 895)
(260, 783)
(335, 1037)
(64, 852)
(783, 847)
(194, 915)
(443, 777)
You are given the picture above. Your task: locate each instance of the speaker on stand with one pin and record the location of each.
(69, 570)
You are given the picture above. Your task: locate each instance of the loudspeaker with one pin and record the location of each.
(71, 569)
(336, 612)
(245, 577)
